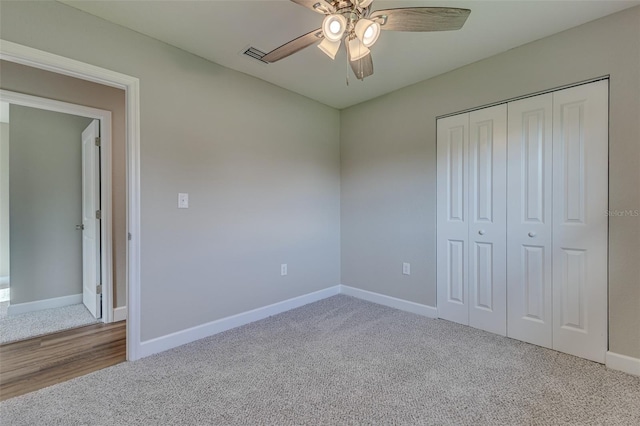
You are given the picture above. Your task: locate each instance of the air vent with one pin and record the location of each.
(254, 53)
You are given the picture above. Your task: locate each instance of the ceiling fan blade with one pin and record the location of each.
(362, 67)
(422, 18)
(294, 46)
(320, 6)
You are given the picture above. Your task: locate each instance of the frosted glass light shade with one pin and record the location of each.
(330, 48)
(367, 31)
(333, 27)
(357, 50)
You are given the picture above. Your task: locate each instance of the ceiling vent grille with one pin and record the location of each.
(254, 53)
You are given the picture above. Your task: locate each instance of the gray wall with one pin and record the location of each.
(261, 165)
(4, 199)
(389, 169)
(45, 193)
(45, 84)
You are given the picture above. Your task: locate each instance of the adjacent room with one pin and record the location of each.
(44, 287)
(320, 212)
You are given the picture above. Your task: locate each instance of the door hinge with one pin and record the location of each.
(98, 141)
(129, 236)
(99, 289)
(98, 214)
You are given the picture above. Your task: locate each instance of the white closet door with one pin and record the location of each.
(488, 219)
(529, 220)
(580, 175)
(452, 210)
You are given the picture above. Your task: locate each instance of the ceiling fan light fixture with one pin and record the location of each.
(330, 48)
(367, 31)
(357, 50)
(359, 26)
(333, 27)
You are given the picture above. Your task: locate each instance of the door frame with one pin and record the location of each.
(106, 225)
(35, 58)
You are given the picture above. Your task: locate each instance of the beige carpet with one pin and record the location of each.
(342, 361)
(38, 323)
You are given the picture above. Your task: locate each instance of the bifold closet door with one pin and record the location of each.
(580, 199)
(529, 220)
(471, 239)
(556, 222)
(522, 193)
(452, 218)
(488, 219)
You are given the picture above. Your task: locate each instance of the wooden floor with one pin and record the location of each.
(33, 364)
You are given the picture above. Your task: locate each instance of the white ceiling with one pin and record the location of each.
(221, 30)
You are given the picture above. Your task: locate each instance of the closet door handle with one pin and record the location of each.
(481, 232)
(532, 234)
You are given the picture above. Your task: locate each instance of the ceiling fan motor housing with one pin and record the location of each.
(352, 13)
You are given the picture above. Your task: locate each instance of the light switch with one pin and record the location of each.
(283, 269)
(183, 200)
(406, 268)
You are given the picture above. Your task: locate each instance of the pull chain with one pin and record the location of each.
(347, 68)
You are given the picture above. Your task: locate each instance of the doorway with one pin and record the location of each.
(59, 198)
(63, 66)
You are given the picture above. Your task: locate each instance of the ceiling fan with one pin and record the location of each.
(354, 22)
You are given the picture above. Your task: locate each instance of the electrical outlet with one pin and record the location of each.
(183, 200)
(406, 269)
(283, 269)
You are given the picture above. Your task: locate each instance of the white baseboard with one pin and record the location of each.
(624, 363)
(392, 302)
(119, 314)
(179, 338)
(38, 305)
(189, 335)
(4, 280)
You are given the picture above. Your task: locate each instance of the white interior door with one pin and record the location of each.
(580, 199)
(529, 220)
(91, 232)
(452, 222)
(488, 219)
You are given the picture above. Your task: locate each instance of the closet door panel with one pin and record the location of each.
(452, 218)
(487, 219)
(529, 220)
(580, 199)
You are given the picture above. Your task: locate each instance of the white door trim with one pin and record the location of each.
(14, 52)
(104, 118)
